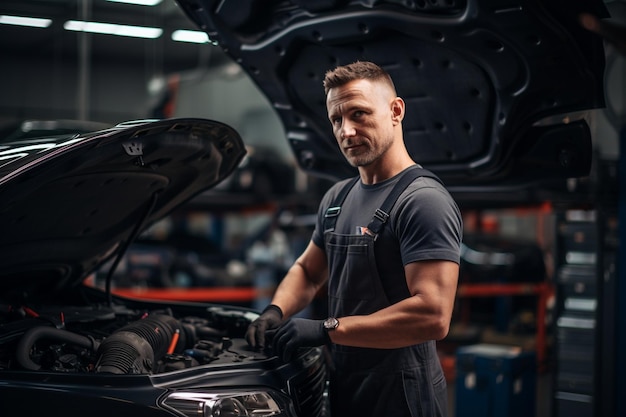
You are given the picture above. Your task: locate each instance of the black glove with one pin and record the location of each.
(296, 333)
(269, 319)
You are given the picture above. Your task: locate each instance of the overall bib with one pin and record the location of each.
(375, 382)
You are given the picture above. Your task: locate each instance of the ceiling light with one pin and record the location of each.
(25, 21)
(139, 2)
(193, 36)
(113, 29)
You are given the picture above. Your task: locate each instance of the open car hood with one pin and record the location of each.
(70, 203)
(477, 77)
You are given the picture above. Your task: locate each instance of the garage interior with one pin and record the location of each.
(540, 316)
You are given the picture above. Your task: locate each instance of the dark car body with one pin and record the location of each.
(71, 204)
(485, 81)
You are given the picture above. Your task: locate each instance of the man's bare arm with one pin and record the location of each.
(302, 282)
(424, 316)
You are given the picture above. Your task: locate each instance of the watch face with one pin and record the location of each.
(331, 323)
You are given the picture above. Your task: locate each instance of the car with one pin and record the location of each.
(488, 85)
(70, 348)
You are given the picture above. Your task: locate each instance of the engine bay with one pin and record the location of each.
(120, 340)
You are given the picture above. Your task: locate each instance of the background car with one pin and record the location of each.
(486, 87)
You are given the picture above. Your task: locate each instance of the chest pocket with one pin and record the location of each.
(351, 277)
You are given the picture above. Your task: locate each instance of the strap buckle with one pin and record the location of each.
(333, 211)
(381, 215)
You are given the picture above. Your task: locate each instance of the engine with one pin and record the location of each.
(122, 341)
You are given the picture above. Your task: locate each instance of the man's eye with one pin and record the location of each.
(358, 113)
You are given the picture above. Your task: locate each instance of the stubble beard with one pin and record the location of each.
(368, 156)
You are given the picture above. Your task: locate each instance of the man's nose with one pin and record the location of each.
(347, 130)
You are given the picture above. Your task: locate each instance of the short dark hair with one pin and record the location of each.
(358, 70)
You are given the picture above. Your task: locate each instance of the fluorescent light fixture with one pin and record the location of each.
(113, 29)
(139, 2)
(193, 36)
(25, 21)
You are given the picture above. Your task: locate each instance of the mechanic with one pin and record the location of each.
(391, 282)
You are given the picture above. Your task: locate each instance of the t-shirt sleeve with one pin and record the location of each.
(429, 225)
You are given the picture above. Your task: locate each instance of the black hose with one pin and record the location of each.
(36, 333)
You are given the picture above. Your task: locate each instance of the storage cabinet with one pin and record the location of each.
(583, 381)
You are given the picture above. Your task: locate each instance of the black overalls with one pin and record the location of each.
(375, 382)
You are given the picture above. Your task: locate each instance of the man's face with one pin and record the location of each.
(361, 116)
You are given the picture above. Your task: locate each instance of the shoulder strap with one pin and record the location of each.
(381, 215)
(330, 218)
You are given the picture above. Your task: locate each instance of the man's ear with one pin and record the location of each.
(397, 110)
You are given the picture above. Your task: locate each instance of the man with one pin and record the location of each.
(391, 290)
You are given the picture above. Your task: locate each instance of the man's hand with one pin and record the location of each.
(296, 333)
(269, 319)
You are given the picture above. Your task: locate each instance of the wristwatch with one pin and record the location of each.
(331, 323)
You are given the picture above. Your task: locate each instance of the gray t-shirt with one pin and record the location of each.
(424, 224)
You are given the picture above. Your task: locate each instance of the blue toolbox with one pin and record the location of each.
(495, 381)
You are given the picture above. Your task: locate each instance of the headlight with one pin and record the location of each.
(228, 404)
